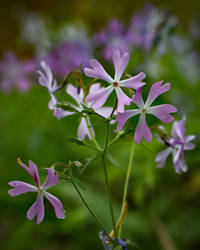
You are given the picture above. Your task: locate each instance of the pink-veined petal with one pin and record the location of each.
(162, 157)
(123, 99)
(60, 113)
(53, 102)
(189, 146)
(37, 209)
(142, 130)
(97, 71)
(137, 98)
(189, 138)
(56, 204)
(104, 111)
(32, 170)
(179, 160)
(133, 82)
(123, 117)
(177, 154)
(100, 97)
(156, 90)
(83, 129)
(75, 92)
(162, 112)
(120, 63)
(96, 87)
(178, 129)
(20, 187)
(181, 167)
(51, 180)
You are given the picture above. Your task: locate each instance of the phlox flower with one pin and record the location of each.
(177, 144)
(162, 111)
(47, 80)
(37, 209)
(97, 71)
(77, 94)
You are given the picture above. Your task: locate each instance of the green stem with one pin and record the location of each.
(91, 134)
(126, 182)
(88, 207)
(107, 187)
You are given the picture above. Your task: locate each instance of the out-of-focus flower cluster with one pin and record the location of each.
(68, 47)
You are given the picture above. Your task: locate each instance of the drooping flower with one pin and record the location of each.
(77, 94)
(177, 144)
(15, 74)
(47, 80)
(162, 111)
(97, 71)
(37, 209)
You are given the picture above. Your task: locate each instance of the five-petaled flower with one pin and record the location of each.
(177, 144)
(162, 111)
(37, 209)
(97, 71)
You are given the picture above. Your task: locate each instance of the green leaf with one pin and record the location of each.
(77, 181)
(112, 159)
(77, 141)
(88, 161)
(66, 107)
(90, 111)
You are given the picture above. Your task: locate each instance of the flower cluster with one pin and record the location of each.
(176, 145)
(162, 112)
(97, 96)
(90, 99)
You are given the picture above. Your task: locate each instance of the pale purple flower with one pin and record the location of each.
(97, 71)
(47, 80)
(162, 111)
(37, 209)
(177, 144)
(77, 94)
(15, 74)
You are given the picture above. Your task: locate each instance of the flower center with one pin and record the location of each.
(143, 110)
(115, 84)
(40, 190)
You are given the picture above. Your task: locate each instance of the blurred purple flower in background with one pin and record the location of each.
(162, 111)
(143, 27)
(97, 71)
(69, 56)
(177, 144)
(73, 49)
(112, 37)
(16, 74)
(37, 209)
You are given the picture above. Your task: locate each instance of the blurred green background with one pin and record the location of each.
(163, 206)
